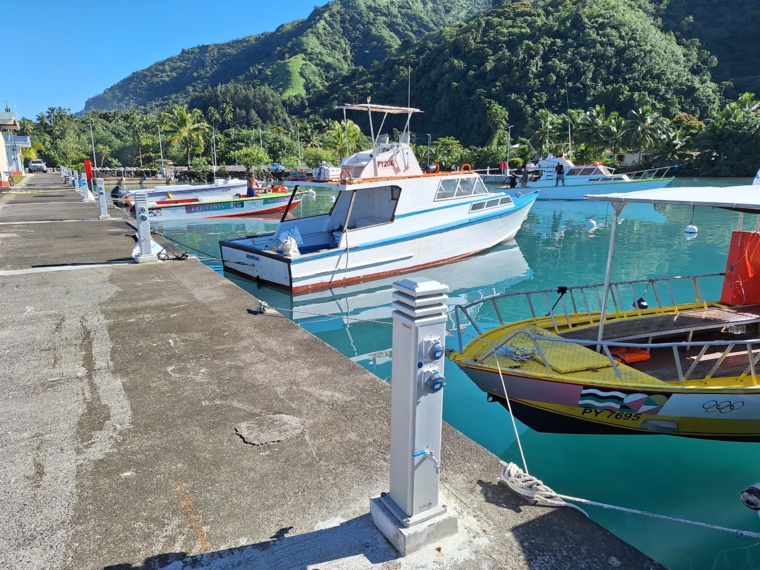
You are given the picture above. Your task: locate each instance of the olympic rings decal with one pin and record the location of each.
(723, 407)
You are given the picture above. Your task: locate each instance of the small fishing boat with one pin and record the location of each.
(648, 356)
(389, 217)
(266, 202)
(583, 179)
(219, 188)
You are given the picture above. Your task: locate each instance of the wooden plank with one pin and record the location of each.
(660, 325)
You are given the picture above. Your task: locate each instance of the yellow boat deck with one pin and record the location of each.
(520, 351)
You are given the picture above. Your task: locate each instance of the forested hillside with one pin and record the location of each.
(728, 30)
(297, 58)
(597, 78)
(522, 58)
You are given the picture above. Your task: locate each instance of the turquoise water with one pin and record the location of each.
(696, 480)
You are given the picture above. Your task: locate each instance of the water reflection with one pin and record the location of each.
(698, 480)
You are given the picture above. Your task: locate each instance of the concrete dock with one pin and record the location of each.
(127, 390)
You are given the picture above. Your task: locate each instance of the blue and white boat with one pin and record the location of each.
(390, 216)
(581, 180)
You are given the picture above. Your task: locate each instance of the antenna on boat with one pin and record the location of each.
(569, 131)
(409, 86)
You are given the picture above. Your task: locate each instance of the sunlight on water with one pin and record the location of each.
(691, 479)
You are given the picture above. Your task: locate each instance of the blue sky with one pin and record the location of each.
(64, 52)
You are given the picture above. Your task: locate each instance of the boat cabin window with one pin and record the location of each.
(460, 188)
(504, 201)
(373, 206)
(587, 171)
(573, 172)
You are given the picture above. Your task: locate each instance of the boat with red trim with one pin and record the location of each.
(390, 216)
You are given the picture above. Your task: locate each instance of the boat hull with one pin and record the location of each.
(258, 206)
(577, 190)
(388, 253)
(568, 407)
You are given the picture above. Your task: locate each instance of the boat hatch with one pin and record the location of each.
(450, 188)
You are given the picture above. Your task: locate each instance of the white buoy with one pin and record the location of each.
(691, 229)
(590, 225)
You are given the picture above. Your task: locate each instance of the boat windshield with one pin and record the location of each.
(460, 187)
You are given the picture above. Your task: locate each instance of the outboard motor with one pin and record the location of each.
(118, 193)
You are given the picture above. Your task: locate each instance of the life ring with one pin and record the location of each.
(345, 176)
(466, 168)
(597, 164)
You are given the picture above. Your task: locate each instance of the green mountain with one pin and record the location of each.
(725, 29)
(527, 56)
(467, 63)
(295, 59)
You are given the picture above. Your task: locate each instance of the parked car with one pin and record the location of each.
(277, 171)
(37, 165)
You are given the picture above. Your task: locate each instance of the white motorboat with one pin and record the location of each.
(221, 188)
(265, 202)
(582, 179)
(389, 217)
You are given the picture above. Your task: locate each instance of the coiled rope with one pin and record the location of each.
(539, 494)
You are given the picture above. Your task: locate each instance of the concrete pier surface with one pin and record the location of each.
(149, 419)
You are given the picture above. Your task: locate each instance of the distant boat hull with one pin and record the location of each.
(227, 188)
(577, 190)
(270, 203)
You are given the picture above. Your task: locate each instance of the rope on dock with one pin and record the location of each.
(535, 491)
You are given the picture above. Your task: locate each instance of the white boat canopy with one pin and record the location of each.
(379, 108)
(744, 199)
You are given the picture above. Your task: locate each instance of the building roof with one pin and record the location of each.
(8, 121)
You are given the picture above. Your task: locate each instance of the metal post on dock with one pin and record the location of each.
(100, 184)
(145, 250)
(412, 515)
(84, 188)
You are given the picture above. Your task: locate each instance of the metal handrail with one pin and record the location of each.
(659, 172)
(586, 300)
(752, 347)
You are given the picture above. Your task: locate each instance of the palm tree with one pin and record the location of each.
(344, 137)
(591, 127)
(185, 125)
(614, 133)
(644, 128)
(542, 125)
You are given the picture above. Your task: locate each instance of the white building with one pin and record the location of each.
(9, 164)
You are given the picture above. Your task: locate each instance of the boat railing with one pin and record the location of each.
(659, 172)
(714, 351)
(564, 308)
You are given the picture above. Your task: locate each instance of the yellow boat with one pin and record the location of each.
(653, 362)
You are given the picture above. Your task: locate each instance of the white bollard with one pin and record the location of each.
(101, 186)
(412, 514)
(144, 242)
(84, 188)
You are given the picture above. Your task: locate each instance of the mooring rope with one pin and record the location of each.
(534, 490)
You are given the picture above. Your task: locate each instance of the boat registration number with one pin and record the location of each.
(610, 414)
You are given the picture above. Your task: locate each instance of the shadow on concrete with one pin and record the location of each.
(353, 538)
(500, 495)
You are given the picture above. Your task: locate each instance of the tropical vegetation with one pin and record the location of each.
(595, 78)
